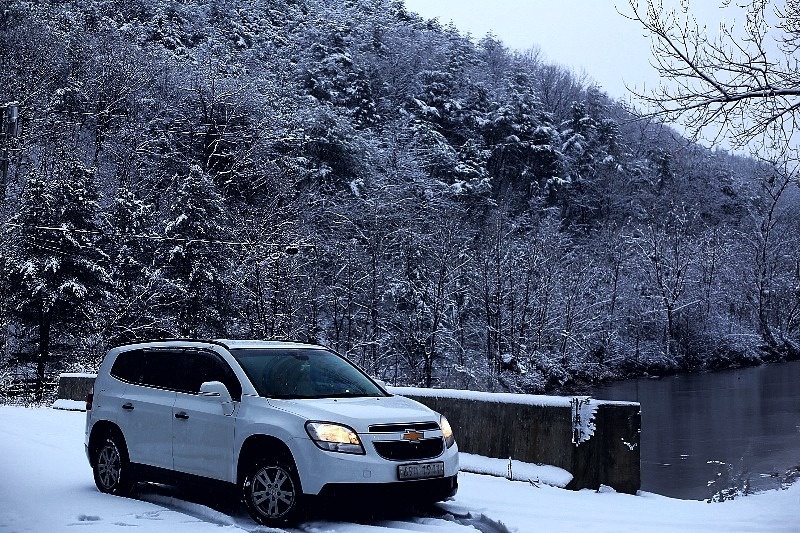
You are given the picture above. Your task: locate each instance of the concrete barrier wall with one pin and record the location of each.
(611, 457)
(596, 441)
(75, 386)
(541, 429)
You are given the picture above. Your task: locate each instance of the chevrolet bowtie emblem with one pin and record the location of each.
(413, 436)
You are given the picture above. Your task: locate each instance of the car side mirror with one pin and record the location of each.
(218, 391)
(380, 382)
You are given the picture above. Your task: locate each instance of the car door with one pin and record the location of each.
(202, 427)
(145, 406)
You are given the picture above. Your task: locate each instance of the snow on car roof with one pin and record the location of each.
(227, 343)
(245, 343)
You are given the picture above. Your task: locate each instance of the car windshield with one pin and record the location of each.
(292, 373)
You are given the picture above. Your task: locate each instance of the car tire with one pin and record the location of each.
(111, 467)
(271, 492)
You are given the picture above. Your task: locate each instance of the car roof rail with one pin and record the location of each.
(168, 339)
(224, 343)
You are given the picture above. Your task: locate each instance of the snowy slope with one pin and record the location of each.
(46, 486)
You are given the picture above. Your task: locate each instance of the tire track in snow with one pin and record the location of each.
(481, 522)
(431, 519)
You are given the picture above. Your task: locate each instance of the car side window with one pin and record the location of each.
(205, 366)
(160, 369)
(128, 366)
(178, 370)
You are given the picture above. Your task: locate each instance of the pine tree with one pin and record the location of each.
(57, 274)
(192, 258)
(128, 239)
(526, 160)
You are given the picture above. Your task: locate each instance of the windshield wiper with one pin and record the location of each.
(350, 395)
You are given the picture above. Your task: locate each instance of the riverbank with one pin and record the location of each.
(655, 368)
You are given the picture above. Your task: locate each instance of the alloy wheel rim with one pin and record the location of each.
(273, 491)
(109, 466)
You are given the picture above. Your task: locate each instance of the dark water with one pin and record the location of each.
(705, 432)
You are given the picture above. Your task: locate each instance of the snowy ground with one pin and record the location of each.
(46, 486)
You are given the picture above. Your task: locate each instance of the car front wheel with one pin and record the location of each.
(271, 492)
(112, 472)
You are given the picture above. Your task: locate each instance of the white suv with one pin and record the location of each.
(279, 420)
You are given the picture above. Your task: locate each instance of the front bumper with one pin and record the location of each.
(319, 468)
(417, 491)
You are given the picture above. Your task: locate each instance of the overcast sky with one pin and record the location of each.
(584, 35)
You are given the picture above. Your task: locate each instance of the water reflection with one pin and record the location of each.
(703, 433)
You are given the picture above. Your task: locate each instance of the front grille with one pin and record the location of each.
(400, 450)
(403, 426)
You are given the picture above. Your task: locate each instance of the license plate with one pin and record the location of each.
(420, 470)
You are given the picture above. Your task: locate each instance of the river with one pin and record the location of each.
(702, 433)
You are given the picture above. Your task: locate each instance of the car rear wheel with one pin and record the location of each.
(112, 471)
(271, 492)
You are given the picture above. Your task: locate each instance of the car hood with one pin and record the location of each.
(359, 413)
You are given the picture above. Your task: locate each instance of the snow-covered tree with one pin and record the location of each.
(58, 276)
(525, 144)
(192, 257)
(130, 243)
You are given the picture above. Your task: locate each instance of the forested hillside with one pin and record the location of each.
(446, 212)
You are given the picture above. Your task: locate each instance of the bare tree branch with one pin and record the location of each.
(741, 83)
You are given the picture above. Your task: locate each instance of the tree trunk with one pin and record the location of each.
(44, 350)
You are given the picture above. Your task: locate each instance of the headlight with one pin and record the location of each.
(334, 437)
(447, 432)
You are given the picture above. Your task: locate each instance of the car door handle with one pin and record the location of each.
(127, 406)
(182, 416)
